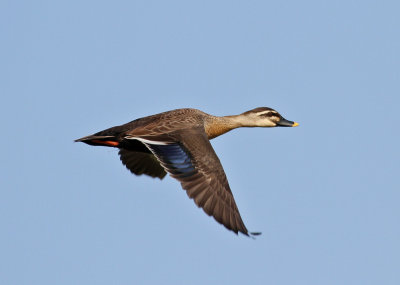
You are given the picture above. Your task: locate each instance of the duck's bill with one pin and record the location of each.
(286, 123)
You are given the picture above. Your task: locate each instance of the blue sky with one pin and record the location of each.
(325, 194)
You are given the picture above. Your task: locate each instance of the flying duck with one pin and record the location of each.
(177, 142)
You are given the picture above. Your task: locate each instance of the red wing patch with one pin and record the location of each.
(107, 143)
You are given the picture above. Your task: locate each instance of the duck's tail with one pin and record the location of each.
(100, 140)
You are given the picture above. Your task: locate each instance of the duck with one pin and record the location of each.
(177, 143)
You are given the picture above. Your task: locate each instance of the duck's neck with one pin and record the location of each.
(216, 126)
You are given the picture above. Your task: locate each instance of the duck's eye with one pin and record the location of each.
(268, 115)
(272, 116)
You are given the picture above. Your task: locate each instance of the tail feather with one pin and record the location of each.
(99, 140)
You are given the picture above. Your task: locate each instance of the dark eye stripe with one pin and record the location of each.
(270, 114)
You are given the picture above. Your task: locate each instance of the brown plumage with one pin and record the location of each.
(177, 142)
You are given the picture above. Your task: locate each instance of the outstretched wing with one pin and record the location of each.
(191, 160)
(142, 163)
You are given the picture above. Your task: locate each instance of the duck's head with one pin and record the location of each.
(265, 117)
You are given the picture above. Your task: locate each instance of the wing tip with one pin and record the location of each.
(252, 235)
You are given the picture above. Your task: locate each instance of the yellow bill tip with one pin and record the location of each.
(295, 124)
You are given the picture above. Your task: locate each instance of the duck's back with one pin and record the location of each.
(159, 123)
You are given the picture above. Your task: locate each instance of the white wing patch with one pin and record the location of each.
(147, 141)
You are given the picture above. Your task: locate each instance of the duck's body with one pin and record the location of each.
(177, 142)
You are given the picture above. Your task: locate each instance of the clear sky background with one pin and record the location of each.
(324, 194)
